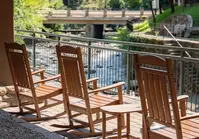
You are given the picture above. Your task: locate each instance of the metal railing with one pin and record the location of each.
(112, 61)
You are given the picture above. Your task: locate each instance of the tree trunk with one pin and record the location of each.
(185, 3)
(154, 19)
(172, 6)
(160, 7)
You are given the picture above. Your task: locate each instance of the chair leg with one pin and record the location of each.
(70, 119)
(37, 110)
(19, 101)
(91, 124)
(46, 102)
(98, 115)
(122, 120)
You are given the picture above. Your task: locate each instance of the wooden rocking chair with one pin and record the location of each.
(158, 94)
(22, 77)
(78, 98)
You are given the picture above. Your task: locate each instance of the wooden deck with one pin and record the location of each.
(112, 124)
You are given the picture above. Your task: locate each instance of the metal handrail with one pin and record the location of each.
(176, 40)
(141, 45)
(182, 71)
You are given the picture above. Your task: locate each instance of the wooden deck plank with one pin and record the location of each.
(136, 120)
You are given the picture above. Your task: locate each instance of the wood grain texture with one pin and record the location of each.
(22, 77)
(75, 86)
(156, 85)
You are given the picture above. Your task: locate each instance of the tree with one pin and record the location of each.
(152, 11)
(56, 4)
(27, 14)
(172, 6)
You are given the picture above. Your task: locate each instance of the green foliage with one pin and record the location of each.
(56, 4)
(27, 14)
(125, 35)
(148, 24)
(75, 3)
(130, 4)
(113, 4)
(116, 4)
(97, 4)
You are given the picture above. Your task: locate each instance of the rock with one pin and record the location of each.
(109, 66)
(4, 105)
(98, 66)
(116, 81)
(11, 99)
(3, 91)
(11, 89)
(85, 66)
(92, 71)
(98, 51)
(179, 28)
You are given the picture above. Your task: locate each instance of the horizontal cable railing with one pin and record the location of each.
(112, 61)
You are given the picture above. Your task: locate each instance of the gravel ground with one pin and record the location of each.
(10, 128)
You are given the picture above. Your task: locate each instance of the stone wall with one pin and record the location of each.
(178, 25)
(8, 97)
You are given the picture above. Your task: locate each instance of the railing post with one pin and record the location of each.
(87, 12)
(58, 69)
(33, 50)
(128, 71)
(182, 74)
(89, 60)
(68, 12)
(59, 38)
(123, 12)
(141, 11)
(105, 12)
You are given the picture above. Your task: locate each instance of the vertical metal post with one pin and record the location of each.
(89, 60)
(87, 12)
(68, 12)
(105, 13)
(34, 50)
(88, 33)
(182, 74)
(123, 13)
(128, 71)
(58, 69)
(59, 38)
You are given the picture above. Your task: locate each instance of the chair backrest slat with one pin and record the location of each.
(71, 66)
(155, 79)
(72, 77)
(19, 65)
(159, 95)
(164, 95)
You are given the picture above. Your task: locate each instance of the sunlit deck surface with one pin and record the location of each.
(63, 120)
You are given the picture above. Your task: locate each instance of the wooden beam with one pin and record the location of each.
(6, 35)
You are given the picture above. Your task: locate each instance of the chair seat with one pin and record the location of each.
(190, 130)
(96, 101)
(43, 92)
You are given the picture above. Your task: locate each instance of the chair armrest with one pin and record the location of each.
(48, 79)
(38, 71)
(181, 98)
(92, 80)
(107, 87)
(182, 104)
(195, 115)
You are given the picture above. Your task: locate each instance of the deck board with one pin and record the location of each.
(111, 124)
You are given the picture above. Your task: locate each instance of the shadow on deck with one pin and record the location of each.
(136, 120)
